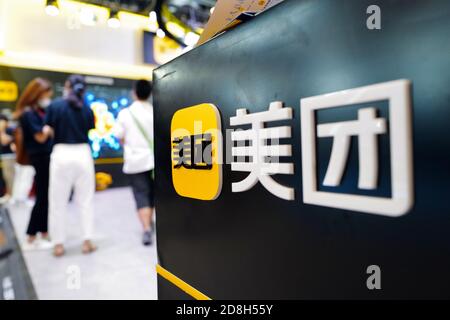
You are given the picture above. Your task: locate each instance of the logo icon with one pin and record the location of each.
(366, 129)
(8, 91)
(196, 139)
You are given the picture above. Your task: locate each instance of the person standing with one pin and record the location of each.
(71, 164)
(134, 128)
(31, 110)
(7, 156)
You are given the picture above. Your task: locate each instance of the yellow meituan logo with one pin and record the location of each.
(8, 91)
(197, 152)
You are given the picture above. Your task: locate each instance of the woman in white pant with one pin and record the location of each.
(71, 165)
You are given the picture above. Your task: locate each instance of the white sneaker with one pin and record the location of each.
(5, 199)
(30, 246)
(38, 244)
(45, 244)
(29, 203)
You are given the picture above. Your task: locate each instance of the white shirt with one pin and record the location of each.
(137, 154)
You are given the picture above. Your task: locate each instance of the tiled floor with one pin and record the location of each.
(121, 269)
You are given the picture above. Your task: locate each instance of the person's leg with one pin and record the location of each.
(40, 164)
(148, 236)
(4, 178)
(32, 225)
(43, 193)
(18, 176)
(141, 185)
(23, 182)
(59, 191)
(36, 212)
(145, 216)
(84, 197)
(8, 173)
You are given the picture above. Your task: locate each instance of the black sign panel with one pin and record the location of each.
(254, 244)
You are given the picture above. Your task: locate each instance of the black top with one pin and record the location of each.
(6, 149)
(71, 124)
(32, 122)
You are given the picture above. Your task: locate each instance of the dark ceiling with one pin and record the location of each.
(192, 14)
(145, 6)
(137, 6)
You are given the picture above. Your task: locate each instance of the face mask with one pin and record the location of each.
(44, 103)
(66, 93)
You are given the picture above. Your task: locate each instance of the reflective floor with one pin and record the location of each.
(122, 268)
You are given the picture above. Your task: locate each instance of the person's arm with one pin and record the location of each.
(5, 138)
(3, 125)
(46, 133)
(119, 129)
(39, 133)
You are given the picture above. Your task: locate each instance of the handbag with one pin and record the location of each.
(22, 156)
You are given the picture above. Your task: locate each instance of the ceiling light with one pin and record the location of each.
(114, 21)
(191, 39)
(175, 29)
(52, 8)
(152, 16)
(88, 17)
(160, 33)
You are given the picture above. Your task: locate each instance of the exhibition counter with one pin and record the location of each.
(349, 200)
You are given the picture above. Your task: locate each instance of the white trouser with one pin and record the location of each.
(8, 162)
(23, 182)
(71, 166)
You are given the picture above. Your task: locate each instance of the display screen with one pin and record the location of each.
(106, 102)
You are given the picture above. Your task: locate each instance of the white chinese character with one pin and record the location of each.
(264, 157)
(366, 128)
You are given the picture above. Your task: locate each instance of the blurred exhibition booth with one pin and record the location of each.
(112, 46)
(112, 42)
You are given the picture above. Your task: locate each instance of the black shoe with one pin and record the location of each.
(147, 238)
